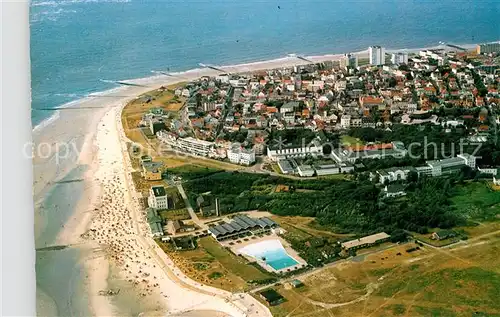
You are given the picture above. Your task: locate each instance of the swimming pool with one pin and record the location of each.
(270, 251)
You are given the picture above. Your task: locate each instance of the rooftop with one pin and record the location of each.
(365, 240)
(241, 223)
(152, 166)
(159, 191)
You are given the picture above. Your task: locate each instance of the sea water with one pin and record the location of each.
(75, 43)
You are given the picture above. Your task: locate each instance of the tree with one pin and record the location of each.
(392, 82)
(412, 177)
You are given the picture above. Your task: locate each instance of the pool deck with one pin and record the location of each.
(291, 252)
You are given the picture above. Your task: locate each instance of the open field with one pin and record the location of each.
(142, 185)
(457, 281)
(213, 265)
(191, 171)
(176, 214)
(303, 228)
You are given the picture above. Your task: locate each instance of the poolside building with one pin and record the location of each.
(242, 225)
(365, 241)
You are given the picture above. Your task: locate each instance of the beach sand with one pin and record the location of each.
(107, 219)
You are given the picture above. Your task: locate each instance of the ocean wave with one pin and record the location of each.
(69, 2)
(81, 97)
(50, 14)
(69, 95)
(46, 122)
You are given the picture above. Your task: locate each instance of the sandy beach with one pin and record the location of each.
(107, 221)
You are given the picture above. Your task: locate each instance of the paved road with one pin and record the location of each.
(190, 209)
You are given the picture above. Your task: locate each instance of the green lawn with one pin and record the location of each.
(190, 171)
(235, 264)
(477, 201)
(176, 214)
(349, 140)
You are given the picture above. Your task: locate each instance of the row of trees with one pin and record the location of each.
(342, 206)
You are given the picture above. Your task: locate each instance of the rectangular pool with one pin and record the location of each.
(271, 252)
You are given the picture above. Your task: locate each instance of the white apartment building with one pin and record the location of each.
(239, 155)
(347, 121)
(349, 60)
(447, 166)
(377, 55)
(314, 149)
(399, 58)
(194, 146)
(158, 198)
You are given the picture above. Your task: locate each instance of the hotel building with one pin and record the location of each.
(377, 55)
(158, 198)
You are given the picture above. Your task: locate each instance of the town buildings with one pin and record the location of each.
(279, 151)
(392, 174)
(433, 168)
(376, 55)
(326, 99)
(378, 151)
(237, 154)
(158, 198)
(349, 61)
(488, 48)
(447, 166)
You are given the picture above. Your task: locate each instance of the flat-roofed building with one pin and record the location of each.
(365, 241)
(195, 146)
(240, 155)
(305, 170)
(376, 55)
(399, 58)
(350, 155)
(392, 174)
(349, 61)
(488, 48)
(285, 166)
(314, 148)
(327, 169)
(242, 225)
(447, 166)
